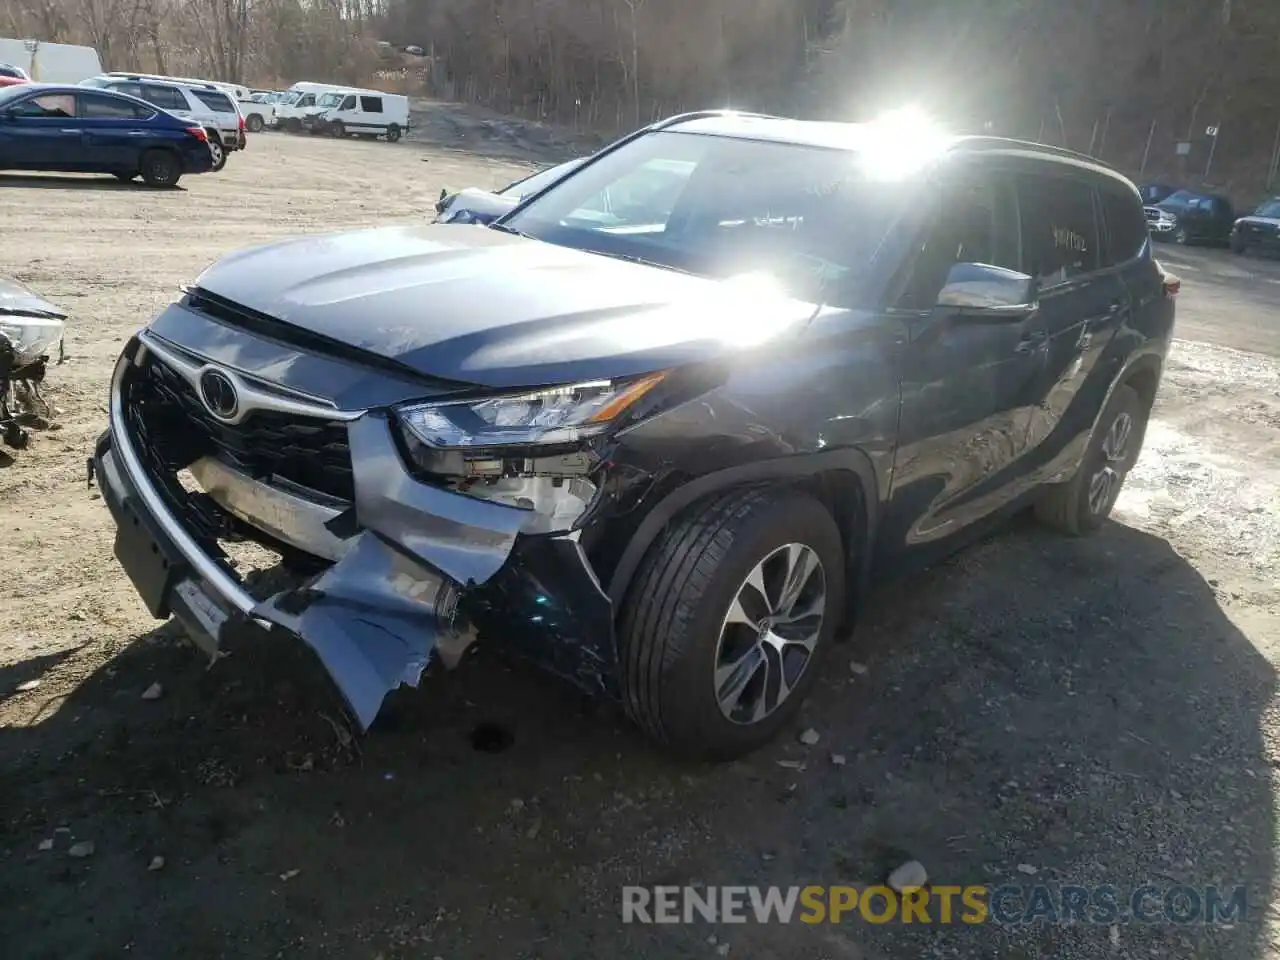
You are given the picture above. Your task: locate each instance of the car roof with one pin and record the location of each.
(837, 135)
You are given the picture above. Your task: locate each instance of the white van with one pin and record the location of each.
(51, 62)
(296, 102)
(360, 113)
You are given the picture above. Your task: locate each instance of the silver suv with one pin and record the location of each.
(202, 103)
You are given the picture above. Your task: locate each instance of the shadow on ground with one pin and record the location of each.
(1081, 707)
(78, 182)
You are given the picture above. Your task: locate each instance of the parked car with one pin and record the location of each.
(78, 130)
(202, 103)
(482, 207)
(297, 101)
(258, 110)
(360, 113)
(11, 75)
(662, 452)
(1190, 217)
(1259, 230)
(1153, 193)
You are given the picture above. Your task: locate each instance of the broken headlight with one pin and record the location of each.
(556, 415)
(32, 337)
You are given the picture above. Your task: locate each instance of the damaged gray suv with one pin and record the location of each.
(658, 427)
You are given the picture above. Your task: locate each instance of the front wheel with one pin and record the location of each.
(1083, 503)
(337, 129)
(393, 133)
(730, 611)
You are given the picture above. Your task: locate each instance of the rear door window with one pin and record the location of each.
(101, 107)
(1059, 228)
(1126, 226)
(166, 98)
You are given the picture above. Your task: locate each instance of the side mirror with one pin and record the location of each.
(983, 290)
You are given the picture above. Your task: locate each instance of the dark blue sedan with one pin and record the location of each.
(68, 129)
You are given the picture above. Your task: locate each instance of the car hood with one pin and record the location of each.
(1261, 221)
(491, 308)
(17, 300)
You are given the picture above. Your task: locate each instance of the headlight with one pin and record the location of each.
(32, 337)
(552, 416)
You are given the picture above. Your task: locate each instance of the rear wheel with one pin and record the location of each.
(253, 123)
(160, 168)
(218, 152)
(393, 133)
(730, 611)
(1083, 503)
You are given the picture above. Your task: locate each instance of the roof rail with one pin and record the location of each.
(708, 114)
(996, 143)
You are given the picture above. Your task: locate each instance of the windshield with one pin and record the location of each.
(723, 206)
(289, 96)
(1269, 209)
(329, 100)
(543, 178)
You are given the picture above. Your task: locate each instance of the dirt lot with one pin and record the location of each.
(1095, 711)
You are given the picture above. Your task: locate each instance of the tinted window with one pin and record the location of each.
(371, 104)
(1126, 226)
(167, 98)
(49, 105)
(1059, 229)
(217, 102)
(131, 89)
(101, 106)
(975, 222)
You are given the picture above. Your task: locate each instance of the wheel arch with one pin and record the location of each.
(843, 480)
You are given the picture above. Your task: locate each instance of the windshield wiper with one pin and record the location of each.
(503, 228)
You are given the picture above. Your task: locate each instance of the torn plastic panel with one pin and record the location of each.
(374, 618)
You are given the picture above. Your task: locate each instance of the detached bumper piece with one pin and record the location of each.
(405, 570)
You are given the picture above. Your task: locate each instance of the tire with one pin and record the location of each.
(253, 123)
(1077, 506)
(218, 151)
(125, 177)
(674, 633)
(160, 168)
(393, 133)
(336, 129)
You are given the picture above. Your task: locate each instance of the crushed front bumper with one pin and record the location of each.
(422, 571)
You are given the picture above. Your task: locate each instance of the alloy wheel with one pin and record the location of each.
(1105, 483)
(769, 634)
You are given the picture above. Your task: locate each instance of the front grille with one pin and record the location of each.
(307, 451)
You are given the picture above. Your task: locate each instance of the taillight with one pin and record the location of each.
(198, 133)
(242, 123)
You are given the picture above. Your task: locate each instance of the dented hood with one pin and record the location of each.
(486, 307)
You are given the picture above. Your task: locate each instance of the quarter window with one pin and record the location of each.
(1126, 226)
(1059, 228)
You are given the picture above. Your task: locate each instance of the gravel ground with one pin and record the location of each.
(1035, 710)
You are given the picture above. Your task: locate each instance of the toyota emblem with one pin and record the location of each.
(219, 394)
